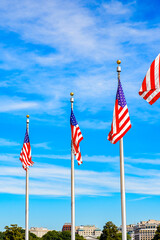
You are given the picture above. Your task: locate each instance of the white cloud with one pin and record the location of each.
(48, 179)
(8, 158)
(139, 199)
(98, 158)
(52, 60)
(41, 145)
(81, 40)
(51, 24)
(73, 29)
(95, 124)
(51, 180)
(67, 157)
(117, 8)
(103, 159)
(6, 142)
(9, 104)
(152, 161)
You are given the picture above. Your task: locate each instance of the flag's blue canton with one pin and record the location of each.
(120, 95)
(73, 119)
(26, 139)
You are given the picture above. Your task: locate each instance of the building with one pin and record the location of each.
(39, 232)
(98, 232)
(129, 229)
(145, 230)
(88, 230)
(66, 227)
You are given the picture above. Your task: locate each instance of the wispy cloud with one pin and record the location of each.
(46, 179)
(55, 180)
(139, 199)
(10, 104)
(88, 182)
(103, 159)
(6, 142)
(52, 156)
(117, 8)
(73, 33)
(153, 161)
(95, 124)
(8, 158)
(96, 158)
(41, 145)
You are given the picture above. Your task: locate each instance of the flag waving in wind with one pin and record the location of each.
(25, 156)
(76, 137)
(121, 120)
(150, 89)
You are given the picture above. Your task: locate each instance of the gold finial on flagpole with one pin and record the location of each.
(72, 99)
(27, 116)
(118, 68)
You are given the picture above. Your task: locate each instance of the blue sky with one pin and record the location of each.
(48, 49)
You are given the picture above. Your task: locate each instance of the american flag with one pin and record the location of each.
(25, 156)
(150, 89)
(121, 120)
(76, 137)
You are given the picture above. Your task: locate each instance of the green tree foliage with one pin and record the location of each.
(54, 235)
(1, 236)
(79, 237)
(120, 236)
(13, 233)
(110, 232)
(32, 236)
(16, 233)
(66, 235)
(157, 234)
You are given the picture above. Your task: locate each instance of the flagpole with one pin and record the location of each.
(27, 197)
(122, 179)
(72, 183)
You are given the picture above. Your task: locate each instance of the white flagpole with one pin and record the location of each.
(122, 180)
(72, 184)
(27, 197)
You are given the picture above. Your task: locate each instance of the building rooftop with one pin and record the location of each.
(38, 228)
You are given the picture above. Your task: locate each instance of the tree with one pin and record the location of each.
(16, 233)
(13, 233)
(120, 236)
(157, 234)
(1, 236)
(110, 232)
(32, 236)
(66, 235)
(52, 235)
(78, 237)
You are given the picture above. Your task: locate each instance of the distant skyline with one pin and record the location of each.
(49, 49)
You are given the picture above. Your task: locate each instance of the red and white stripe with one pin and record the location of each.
(121, 123)
(76, 139)
(150, 89)
(25, 156)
